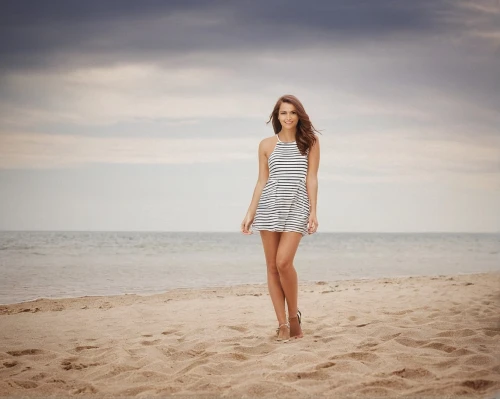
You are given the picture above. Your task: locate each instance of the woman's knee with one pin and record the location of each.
(272, 268)
(283, 265)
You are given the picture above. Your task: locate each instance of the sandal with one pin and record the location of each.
(287, 325)
(299, 317)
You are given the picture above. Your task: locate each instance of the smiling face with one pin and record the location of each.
(288, 116)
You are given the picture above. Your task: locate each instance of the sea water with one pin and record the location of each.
(71, 264)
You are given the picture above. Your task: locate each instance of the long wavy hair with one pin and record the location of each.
(305, 136)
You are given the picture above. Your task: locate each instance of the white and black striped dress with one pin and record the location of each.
(284, 204)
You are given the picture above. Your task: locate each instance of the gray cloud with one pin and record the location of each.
(398, 58)
(35, 34)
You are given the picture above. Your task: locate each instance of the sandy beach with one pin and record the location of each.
(398, 337)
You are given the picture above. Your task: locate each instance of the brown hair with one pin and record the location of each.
(305, 137)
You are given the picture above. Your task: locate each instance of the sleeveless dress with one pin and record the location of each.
(284, 204)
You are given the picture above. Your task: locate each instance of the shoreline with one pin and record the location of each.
(415, 336)
(236, 286)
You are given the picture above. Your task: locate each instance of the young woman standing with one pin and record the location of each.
(283, 206)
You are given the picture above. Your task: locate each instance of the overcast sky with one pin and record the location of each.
(128, 115)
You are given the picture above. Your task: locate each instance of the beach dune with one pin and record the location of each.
(431, 336)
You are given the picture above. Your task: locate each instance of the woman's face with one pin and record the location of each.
(287, 115)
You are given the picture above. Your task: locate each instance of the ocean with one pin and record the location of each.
(72, 264)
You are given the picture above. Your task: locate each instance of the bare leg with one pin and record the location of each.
(270, 242)
(287, 249)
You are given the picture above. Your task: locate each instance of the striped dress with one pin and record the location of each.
(284, 204)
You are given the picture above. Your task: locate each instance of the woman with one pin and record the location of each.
(283, 206)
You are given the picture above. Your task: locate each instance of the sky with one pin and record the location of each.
(147, 116)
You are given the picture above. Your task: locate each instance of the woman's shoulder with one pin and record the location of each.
(270, 139)
(268, 142)
(266, 146)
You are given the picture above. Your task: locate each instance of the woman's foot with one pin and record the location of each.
(295, 326)
(283, 332)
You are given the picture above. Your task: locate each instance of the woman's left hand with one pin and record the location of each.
(312, 224)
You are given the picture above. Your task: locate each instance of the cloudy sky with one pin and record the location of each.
(128, 115)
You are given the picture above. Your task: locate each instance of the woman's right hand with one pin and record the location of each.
(245, 225)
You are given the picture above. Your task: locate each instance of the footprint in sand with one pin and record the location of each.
(26, 352)
(82, 348)
(70, 364)
(39, 376)
(149, 343)
(478, 385)
(85, 389)
(318, 375)
(491, 332)
(462, 352)
(368, 345)
(480, 360)
(26, 384)
(441, 347)
(57, 381)
(10, 364)
(238, 328)
(415, 374)
(325, 365)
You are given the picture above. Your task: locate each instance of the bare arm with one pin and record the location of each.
(312, 184)
(259, 187)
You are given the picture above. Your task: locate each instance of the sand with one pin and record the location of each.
(399, 337)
